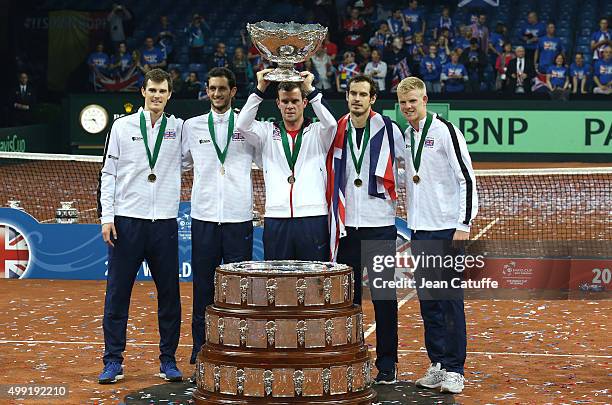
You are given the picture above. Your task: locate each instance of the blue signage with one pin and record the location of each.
(77, 252)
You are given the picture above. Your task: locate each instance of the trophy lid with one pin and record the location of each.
(285, 267)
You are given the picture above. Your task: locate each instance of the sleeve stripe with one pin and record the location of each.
(99, 190)
(466, 174)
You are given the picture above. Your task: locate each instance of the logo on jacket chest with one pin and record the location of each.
(428, 143)
(238, 137)
(170, 134)
(276, 135)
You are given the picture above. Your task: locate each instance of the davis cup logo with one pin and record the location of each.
(509, 268)
(14, 252)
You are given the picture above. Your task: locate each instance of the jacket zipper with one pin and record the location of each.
(292, 174)
(291, 195)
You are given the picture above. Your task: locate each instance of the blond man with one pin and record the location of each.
(441, 204)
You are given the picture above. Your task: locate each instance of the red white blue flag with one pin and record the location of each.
(381, 179)
(14, 252)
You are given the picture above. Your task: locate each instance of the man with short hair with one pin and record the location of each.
(23, 100)
(138, 202)
(222, 194)
(520, 73)
(548, 48)
(414, 17)
(431, 68)
(219, 58)
(441, 204)
(602, 73)
(152, 56)
(293, 154)
(481, 32)
(454, 75)
(600, 39)
(362, 184)
(531, 31)
(580, 73)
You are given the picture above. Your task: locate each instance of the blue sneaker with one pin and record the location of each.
(169, 372)
(111, 374)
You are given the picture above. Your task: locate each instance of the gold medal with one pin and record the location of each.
(416, 179)
(291, 179)
(358, 182)
(222, 170)
(152, 177)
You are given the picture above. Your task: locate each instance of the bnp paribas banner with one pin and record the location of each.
(514, 131)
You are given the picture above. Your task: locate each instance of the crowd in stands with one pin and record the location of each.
(452, 56)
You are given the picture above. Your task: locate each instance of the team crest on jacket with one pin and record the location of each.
(14, 252)
(429, 142)
(170, 134)
(276, 136)
(238, 137)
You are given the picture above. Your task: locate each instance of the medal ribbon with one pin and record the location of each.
(291, 157)
(416, 160)
(158, 141)
(364, 143)
(230, 131)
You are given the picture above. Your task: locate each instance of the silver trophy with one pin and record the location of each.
(286, 44)
(66, 214)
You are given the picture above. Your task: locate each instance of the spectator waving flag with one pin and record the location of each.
(400, 72)
(381, 179)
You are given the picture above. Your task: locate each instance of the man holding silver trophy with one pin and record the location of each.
(294, 149)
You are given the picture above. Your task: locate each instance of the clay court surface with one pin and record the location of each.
(526, 351)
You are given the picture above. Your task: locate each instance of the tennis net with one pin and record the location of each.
(515, 204)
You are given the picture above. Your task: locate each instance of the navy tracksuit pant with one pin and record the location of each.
(442, 311)
(211, 244)
(302, 238)
(385, 307)
(157, 243)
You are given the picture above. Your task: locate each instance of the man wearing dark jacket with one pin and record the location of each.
(24, 98)
(474, 60)
(520, 73)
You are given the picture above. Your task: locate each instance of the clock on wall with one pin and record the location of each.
(93, 118)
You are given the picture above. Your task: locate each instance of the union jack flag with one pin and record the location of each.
(400, 72)
(539, 82)
(381, 180)
(128, 81)
(14, 252)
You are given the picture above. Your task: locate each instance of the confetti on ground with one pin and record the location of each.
(518, 351)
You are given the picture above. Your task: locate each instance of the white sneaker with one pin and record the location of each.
(433, 377)
(453, 383)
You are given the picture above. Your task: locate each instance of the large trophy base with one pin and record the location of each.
(362, 398)
(284, 74)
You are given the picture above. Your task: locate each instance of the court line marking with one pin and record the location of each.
(404, 300)
(486, 229)
(524, 354)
